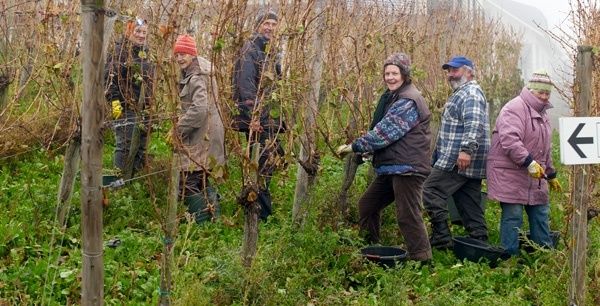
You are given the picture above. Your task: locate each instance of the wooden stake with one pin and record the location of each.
(580, 178)
(350, 167)
(92, 116)
(73, 152)
(166, 277)
(250, 242)
(135, 136)
(305, 180)
(67, 180)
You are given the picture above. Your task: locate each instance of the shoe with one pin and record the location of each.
(440, 238)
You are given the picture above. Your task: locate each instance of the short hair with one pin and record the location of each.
(470, 70)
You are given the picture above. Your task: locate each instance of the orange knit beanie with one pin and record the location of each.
(185, 44)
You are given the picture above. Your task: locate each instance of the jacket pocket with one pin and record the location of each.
(504, 164)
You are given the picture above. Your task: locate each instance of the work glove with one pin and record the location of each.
(535, 170)
(343, 150)
(555, 185)
(117, 109)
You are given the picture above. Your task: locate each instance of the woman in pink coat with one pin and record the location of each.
(519, 165)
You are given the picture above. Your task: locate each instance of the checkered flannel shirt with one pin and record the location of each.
(465, 127)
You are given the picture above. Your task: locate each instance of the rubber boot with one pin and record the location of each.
(266, 209)
(197, 207)
(441, 238)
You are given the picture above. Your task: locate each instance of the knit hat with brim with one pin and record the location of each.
(185, 44)
(540, 80)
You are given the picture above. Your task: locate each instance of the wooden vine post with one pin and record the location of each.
(580, 177)
(92, 115)
(73, 151)
(308, 166)
(248, 199)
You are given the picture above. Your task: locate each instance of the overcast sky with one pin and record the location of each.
(556, 11)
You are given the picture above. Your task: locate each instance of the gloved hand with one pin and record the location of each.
(554, 185)
(535, 170)
(343, 150)
(117, 109)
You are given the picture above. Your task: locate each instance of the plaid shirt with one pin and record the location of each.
(465, 127)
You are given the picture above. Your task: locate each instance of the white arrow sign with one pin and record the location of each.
(579, 140)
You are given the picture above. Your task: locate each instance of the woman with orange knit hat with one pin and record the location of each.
(199, 130)
(128, 78)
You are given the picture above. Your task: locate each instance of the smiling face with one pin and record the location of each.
(457, 76)
(138, 36)
(267, 28)
(183, 60)
(392, 77)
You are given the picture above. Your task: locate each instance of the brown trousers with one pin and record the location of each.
(406, 192)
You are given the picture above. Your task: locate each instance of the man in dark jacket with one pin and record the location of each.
(128, 79)
(256, 72)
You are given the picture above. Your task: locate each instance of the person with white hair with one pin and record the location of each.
(459, 157)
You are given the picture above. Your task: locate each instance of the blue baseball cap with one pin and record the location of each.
(457, 62)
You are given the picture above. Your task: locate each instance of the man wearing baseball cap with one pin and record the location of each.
(459, 157)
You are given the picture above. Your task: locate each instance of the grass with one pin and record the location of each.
(316, 264)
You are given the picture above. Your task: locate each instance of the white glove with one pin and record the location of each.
(343, 150)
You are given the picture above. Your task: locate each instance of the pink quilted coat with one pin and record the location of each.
(522, 129)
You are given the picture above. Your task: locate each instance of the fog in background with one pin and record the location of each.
(532, 18)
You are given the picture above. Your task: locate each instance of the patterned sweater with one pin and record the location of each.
(398, 120)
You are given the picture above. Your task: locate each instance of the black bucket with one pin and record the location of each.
(554, 236)
(107, 179)
(385, 256)
(475, 250)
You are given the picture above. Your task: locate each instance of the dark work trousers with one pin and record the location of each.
(466, 192)
(123, 135)
(192, 182)
(199, 196)
(271, 150)
(406, 192)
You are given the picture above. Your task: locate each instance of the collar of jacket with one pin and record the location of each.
(126, 43)
(191, 70)
(406, 91)
(260, 41)
(534, 102)
(471, 82)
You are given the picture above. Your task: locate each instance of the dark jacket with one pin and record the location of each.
(256, 72)
(414, 147)
(127, 70)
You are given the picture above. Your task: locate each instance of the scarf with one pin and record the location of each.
(386, 98)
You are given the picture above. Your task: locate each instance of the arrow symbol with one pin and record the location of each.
(575, 141)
